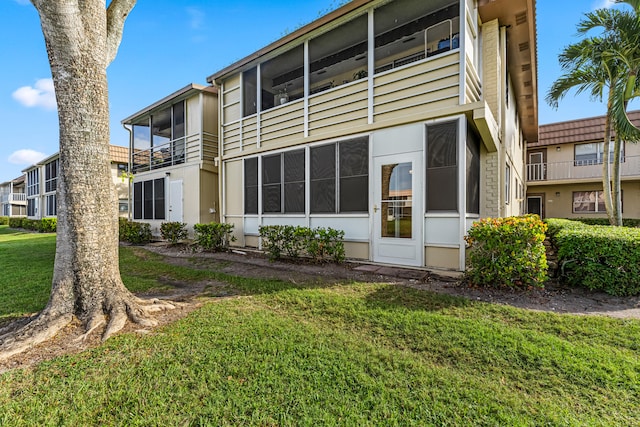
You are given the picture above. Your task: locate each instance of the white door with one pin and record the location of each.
(175, 201)
(397, 210)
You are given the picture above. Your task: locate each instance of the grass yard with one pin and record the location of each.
(348, 354)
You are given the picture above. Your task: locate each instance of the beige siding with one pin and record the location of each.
(233, 187)
(356, 250)
(250, 132)
(209, 197)
(193, 116)
(232, 138)
(231, 100)
(283, 125)
(442, 258)
(420, 88)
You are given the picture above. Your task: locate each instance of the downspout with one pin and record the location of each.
(129, 169)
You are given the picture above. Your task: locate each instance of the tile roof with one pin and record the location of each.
(581, 130)
(118, 154)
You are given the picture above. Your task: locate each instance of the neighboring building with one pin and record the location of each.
(42, 184)
(174, 145)
(13, 199)
(564, 171)
(400, 122)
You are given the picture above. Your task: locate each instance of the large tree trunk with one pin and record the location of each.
(86, 278)
(615, 176)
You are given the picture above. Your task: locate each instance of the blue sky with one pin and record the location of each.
(169, 44)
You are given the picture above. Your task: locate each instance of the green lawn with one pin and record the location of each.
(346, 354)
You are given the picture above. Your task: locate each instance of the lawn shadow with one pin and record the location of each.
(393, 297)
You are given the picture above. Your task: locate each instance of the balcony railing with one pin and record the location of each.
(178, 151)
(570, 170)
(14, 198)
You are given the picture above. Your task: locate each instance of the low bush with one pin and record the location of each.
(174, 232)
(321, 244)
(626, 222)
(213, 237)
(31, 224)
(4, 220)
(507, 252)
(137, 233)
(48, 225)
(598, 257)
(15, 222)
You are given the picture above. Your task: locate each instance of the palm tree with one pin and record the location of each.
(611, 62)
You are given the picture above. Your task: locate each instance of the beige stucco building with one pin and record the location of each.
(174, 145)
(13, 197)
(434, 100)
(564, 171)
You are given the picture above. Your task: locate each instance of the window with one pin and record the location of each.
(158, 140)
(33, 182)
(283, 177)
(593, 153)
(31, 207)
(51, 176)
(251, 186)
(122, 168)
(473, 172)
(148, 199)
(51, 209)
(249, 92)
(345, 181)
(507, 185)
(589, 202)
(123, 206)
(442, 167)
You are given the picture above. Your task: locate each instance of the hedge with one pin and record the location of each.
(598, 257)
(320, 244)
(44, 225)
(4, 220)
(213, 237)
(507, 252)
(137, 233)
(626, 222)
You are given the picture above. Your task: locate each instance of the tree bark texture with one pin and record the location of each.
(82, 37)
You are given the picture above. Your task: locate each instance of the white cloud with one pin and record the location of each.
(603, 4)
(26, 157)
(42, 94)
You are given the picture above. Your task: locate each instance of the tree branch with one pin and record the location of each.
(117, 13)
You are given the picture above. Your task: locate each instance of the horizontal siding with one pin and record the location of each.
(340, 110)
(283, 124)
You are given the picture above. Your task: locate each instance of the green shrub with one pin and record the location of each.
(321, 244)
(507, 252)
(15, 222)
(31, 224)
(213, 237)
(48, 225)
(598, 257)
(627, 222)
(4, 220)
(174, 232)
(137, 233)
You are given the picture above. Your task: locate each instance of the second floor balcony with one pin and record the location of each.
(15, 198)
(577, 170)
(189, 149)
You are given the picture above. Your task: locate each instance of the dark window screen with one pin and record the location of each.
(251, 186)
(137, 200)
(158, 193)
(294, 177)
(323, 179)
(271, 182)
(442, 169)
(148, 199)
(473, 172)
(354, 175)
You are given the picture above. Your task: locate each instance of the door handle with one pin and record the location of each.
(375, 208)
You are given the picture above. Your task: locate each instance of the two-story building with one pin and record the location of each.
(13, 199)
(42, 183)
(400, 122)
(174, 146)
(564, 170)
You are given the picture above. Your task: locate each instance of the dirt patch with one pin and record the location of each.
(191, 295)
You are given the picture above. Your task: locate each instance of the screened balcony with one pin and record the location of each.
(536, 172)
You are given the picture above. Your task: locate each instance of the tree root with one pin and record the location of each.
(20, 335)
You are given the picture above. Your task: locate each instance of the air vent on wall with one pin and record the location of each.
(527, 83)
(523, 46)
(521, 18)
(526, 67)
